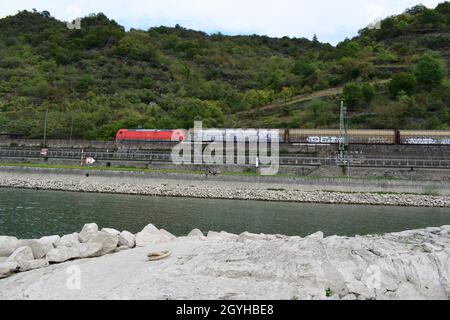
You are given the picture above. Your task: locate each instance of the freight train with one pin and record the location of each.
(293, 136)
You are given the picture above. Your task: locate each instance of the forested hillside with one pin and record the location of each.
(101, 78)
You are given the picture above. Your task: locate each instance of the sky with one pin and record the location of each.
(331, 20)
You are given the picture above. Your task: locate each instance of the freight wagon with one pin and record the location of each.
(414, 137)
(334, 136)
(237, 135)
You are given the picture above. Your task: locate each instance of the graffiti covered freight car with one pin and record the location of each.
(238, 135)
(425, 137)
(325, 136)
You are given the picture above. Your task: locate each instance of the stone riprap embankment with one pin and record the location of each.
(405, 265)
(202, 188)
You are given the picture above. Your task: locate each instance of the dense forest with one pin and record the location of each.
(100, 78)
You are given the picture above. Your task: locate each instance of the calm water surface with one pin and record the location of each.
(32, 214)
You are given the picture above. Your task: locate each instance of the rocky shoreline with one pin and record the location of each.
(210, 190)
(111, 264)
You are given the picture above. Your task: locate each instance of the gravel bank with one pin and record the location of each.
(202, 188)
(405, 265)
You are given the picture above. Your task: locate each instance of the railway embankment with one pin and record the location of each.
(109, 264)
(233, 187)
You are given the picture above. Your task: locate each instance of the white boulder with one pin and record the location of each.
(196, 233)
(69, 240)
(316, 236)
(167, 234)
(114, 232)
(127, 239)
(39, 248)
(108, 241)
(149, 235)
(7, 268)
(7, 245)
(62, 254)
(89, 250)
(21, 256)
(50, 239)
(34, 264)
(87, 232)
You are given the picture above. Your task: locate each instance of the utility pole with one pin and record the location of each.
(343, 139)
(45, 128)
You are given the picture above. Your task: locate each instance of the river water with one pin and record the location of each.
(32, 214)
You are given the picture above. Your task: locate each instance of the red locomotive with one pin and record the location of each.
(151, 135)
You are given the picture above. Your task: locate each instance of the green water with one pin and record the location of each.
(32, 214)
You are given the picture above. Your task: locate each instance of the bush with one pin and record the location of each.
(404, 81)
(352, 94)
(429, 71)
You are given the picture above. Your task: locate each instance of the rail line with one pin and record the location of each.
(285, 160)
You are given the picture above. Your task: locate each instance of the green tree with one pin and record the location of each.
(404, 81)
(430, 71)
(352, 94)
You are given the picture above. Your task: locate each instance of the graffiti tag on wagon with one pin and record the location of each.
(323, 139)
(426, 141)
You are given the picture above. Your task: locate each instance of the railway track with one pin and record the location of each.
(285, 160)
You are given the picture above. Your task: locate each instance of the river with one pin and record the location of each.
(32, 214)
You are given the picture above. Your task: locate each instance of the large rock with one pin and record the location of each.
(7, 268)
(40, 249)
(167, 234)
(34, 264)
(62, 254)
(196, 233)
(114, 232)
(108, 241)
(127, 239)
(21, 256)
(149, 235)
(89, 250)
(88, 231)
(7, 245)
(50, 239)
(70, 240)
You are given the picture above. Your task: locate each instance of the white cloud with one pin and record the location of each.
(331, 20)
